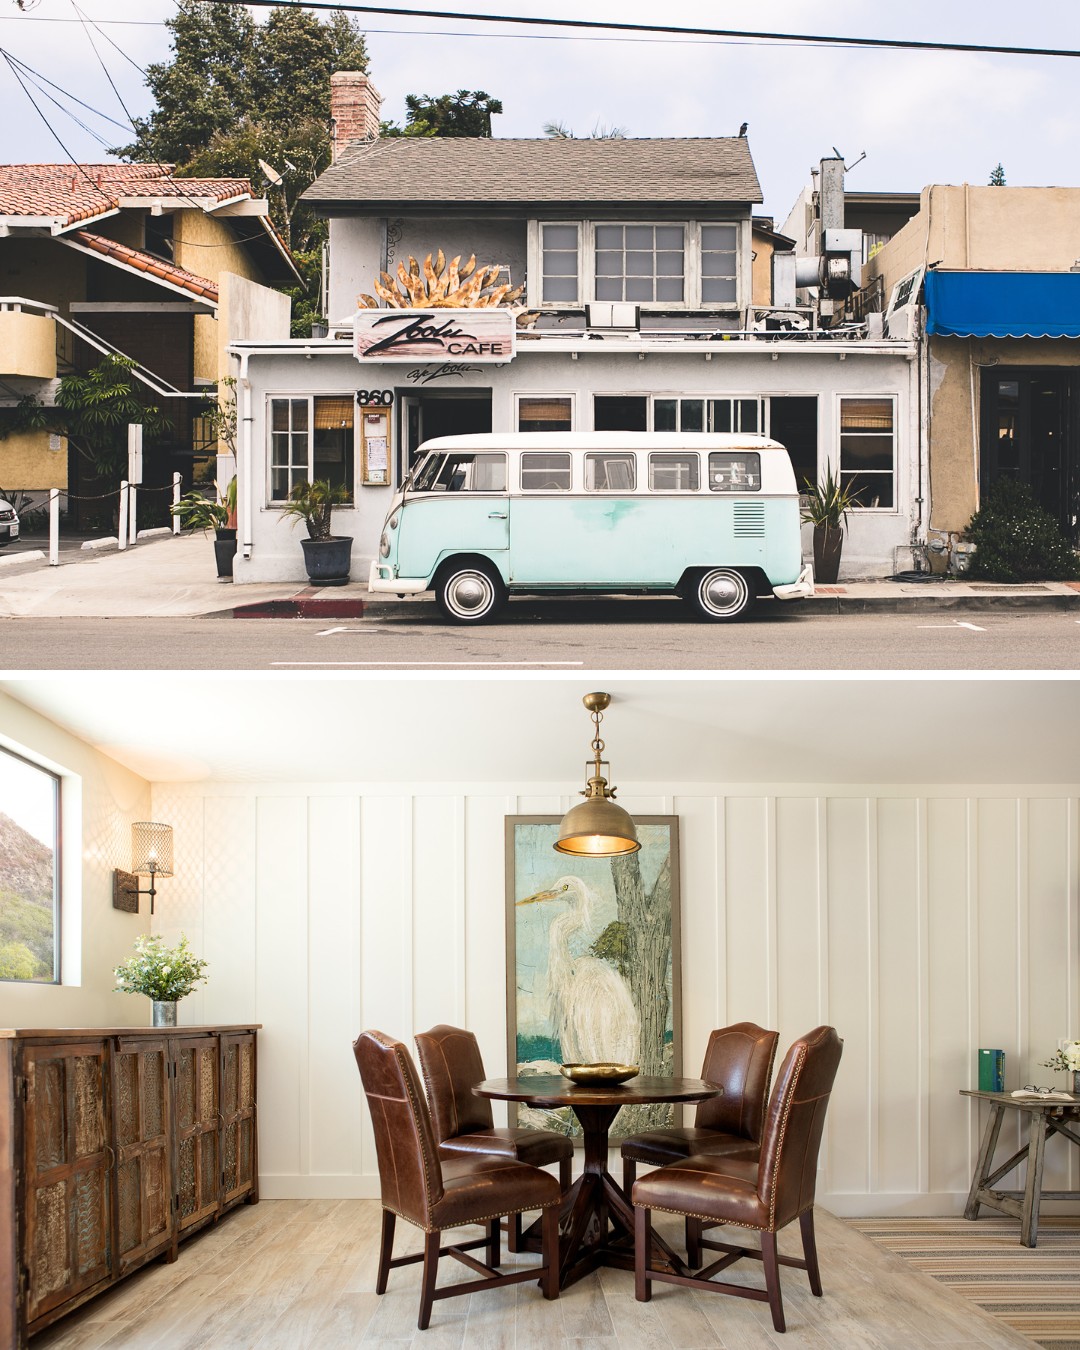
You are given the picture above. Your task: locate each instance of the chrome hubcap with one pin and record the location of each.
(469, 593)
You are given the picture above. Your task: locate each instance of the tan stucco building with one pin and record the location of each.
(999, 271)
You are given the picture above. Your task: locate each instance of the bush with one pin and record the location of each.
(1016, 540)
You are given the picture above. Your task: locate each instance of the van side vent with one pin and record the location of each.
(749, 520)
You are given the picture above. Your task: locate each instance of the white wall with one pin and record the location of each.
(100, 800)
(922, 923)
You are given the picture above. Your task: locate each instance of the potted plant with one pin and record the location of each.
(196, 512)
(1066, 1058)
(326, 555)
(826, 505)
(163, 974)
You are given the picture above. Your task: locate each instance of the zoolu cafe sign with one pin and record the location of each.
(434, 335)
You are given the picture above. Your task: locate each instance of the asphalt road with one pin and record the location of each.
(557, 635)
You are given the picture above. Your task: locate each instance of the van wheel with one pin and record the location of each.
(469, 592)
(722, 594)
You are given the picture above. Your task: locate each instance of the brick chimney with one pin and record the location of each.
(354, 109)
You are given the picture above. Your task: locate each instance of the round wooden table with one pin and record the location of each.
(597, 1224)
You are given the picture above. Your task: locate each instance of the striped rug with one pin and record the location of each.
(1036, 1290)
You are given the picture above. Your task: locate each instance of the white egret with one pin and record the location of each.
(592, 1012)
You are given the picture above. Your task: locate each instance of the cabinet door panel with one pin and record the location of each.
(238, 1116)
(141, 1129)
(67, 1162)
(198, 1180)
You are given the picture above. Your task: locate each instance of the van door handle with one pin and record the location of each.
(496, 515)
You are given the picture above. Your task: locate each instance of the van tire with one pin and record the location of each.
(469, 590)
(722, 594)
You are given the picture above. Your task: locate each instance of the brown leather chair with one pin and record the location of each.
(464, 1125)
(416, 1186)
(765, 1193)
(739, 1059)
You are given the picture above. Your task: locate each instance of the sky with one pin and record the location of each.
(920, 117)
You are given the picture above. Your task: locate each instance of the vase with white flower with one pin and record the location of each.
(162, 974)
(1066, 1058)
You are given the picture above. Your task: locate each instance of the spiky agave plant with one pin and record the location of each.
(434, 285)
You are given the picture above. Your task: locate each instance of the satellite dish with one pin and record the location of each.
(274, 178)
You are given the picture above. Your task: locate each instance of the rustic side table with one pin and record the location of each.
(1046, 1117)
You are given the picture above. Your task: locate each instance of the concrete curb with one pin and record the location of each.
(33, 555)
(933, 604)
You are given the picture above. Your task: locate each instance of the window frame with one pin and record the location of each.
(277, 503)
(58, 867)
(569, 395)
(691, 301)
(894, 473)
(523, 455)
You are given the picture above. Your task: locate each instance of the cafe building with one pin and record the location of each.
(507, 285)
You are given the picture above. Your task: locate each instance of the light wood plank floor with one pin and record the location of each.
(291, 1274)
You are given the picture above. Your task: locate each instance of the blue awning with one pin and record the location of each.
(1003, 304)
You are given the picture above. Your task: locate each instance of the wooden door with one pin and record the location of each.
(67, 1162)
(238, 1161)
(197, 1132)
(144, 1190)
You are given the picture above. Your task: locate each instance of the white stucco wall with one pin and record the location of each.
(736, 370)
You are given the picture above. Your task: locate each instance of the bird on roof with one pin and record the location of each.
(743, 128)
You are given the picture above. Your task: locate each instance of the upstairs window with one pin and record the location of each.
(641, 263)
(158, 237)
(559, 247)
(719, 264)
(29, 871)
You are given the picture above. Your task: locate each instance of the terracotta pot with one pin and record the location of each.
(828, 542)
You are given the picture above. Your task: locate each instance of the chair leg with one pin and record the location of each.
(566, 1173)
(809, 1246)
(693, 1242)
(495, 1241)
(549, 1230)
(629, 1176)
(772, 1279)
(642, 1247)
(427, 1287)
(386, 1249)
(513, 1232)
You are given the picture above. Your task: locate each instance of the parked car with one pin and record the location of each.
(9, 522)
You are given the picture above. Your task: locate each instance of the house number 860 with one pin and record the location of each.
(375, 398)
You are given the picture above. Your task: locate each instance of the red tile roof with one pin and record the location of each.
(146, 262)
(74, 192)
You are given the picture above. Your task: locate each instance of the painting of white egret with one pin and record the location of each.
(593, 961)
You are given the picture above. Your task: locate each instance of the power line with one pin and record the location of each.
(830, 40)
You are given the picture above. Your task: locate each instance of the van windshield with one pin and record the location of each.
(441, 472)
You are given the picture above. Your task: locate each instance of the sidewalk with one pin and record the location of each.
(174, 577)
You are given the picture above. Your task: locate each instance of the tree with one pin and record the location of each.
(997, 177)
(236, 92)
(559, 131)
(466, 113)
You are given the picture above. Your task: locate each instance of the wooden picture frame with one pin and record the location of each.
(593, 952)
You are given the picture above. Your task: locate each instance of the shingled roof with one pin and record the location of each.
(405, 170)
(69, 193)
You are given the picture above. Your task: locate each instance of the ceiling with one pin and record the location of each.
(179, 728)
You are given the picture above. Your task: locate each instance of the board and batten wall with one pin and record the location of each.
(921, 922)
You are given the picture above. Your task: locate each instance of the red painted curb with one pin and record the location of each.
(303, 606)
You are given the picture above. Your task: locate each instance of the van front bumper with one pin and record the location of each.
(391, 584)
(802, 589)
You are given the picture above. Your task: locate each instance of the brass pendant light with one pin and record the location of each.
(597, 827)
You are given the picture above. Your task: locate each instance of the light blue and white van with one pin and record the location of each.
(713, 518)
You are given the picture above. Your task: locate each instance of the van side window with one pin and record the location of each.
(674, 471)
(610, 471)
(544, 471)
(734, 471)
(462, 473)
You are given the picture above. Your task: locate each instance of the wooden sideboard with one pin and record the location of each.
(116, 1144)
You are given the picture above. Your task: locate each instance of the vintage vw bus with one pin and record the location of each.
(713, 518)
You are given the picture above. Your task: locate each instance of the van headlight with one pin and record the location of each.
(384, 545)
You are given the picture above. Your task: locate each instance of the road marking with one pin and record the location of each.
(957, 624)
(400, 664)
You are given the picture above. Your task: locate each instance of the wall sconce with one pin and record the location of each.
(151, 856)
(597, 827)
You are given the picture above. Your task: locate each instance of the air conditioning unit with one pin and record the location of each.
(613, 314)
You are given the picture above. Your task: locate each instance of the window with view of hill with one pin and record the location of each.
(29, 871)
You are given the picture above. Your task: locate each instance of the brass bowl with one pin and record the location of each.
(593, 1074)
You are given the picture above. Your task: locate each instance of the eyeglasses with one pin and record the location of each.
(1043, 1092)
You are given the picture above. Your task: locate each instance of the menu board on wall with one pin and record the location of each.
(374, 447)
